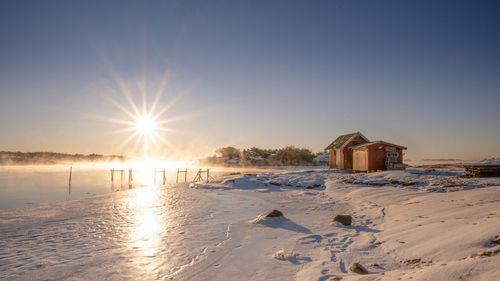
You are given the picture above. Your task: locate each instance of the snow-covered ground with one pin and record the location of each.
(452, 162)
(416, 224)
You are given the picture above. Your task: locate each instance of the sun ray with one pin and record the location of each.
(119, 131)
(144, 103)
(142, 85)
(121, 107)
(173, 119)
(167, 143)
(137, 143)
(125, 130)
(127, 140)
(126, 92)
(168, 106)
(169, 130)
(160, 90)
(112, 120)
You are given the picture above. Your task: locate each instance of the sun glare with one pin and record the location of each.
(145, 126)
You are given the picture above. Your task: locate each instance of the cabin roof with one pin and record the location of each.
(379, 142)
(343, 140)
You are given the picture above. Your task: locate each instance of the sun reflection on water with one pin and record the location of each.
(149, 222)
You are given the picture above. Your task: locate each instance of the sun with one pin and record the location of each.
(145, 126)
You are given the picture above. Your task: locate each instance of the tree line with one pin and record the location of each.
(8, 157)
(286, 156)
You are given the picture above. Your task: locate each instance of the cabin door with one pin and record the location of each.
(337, 158)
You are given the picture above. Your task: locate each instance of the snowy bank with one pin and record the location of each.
(419, 224)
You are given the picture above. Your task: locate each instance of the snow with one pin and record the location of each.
(256, 158)
(233, 161)
(419, 224)
(491, 161)
(321, 158)
(455, 162)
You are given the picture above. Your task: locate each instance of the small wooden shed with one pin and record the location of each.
(340, 150)
(377, 155)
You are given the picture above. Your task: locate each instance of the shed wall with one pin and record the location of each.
(332, 158)
(347, 153)
(376, 158)
(360, 160)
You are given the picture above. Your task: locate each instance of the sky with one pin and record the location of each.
(423, 74)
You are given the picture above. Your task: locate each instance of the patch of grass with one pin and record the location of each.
(313, 186)
(413, 261)
(487, 254)
(403, 183)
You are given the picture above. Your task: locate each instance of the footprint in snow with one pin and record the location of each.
(310, 239)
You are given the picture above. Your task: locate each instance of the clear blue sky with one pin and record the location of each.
(424, 74)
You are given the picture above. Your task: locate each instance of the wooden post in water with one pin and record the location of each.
(112, 178)
(130, 179)
(178, 172)
(197, 176)
(69, 186)
(122, 176)
(164, 177)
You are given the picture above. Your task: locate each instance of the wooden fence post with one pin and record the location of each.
(122, 175)
(130, 179)
(69, 186)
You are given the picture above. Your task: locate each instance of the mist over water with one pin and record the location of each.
(21, 185)
(24, 185)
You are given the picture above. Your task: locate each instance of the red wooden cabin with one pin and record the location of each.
(377, 155)
(355, 152)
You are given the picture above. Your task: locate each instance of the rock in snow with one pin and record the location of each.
(358, 268)
(274, 214)
(284, 255)
(343, 219)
